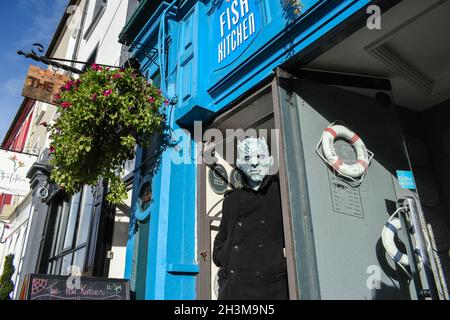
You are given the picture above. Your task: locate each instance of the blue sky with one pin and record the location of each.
(22, 23)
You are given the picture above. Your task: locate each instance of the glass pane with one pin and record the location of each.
(66, 264)
(55, 231)
(72, 222)
(56, 266)
(62, 227)
(85, 216)
(49, 268)
(156, 80)
(79, 258)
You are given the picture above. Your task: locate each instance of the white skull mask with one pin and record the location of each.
(253, 158)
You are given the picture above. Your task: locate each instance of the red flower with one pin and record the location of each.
(108, 92)
(122, 69)
(117, 76)
(97, 67)
(69, 85)
(151, 99)
(66, 104)
(94, 97)
(166, 102)
(57, 97)
(51, 150)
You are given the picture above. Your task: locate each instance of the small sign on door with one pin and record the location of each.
(406, 179)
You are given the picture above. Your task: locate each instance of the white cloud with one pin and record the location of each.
(12, 87)
(45, 19)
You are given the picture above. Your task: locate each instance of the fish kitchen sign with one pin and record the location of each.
(13, 172)
(237, 23)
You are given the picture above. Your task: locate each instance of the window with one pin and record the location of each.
(99, 10)
(70, 225)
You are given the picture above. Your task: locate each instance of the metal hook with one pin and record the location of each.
(39, 47)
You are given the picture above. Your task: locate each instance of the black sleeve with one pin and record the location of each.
(221, 236)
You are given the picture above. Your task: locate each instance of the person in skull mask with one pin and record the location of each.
(249, 247)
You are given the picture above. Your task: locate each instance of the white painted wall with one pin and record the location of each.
(106, 33)
(15, 239)
(120, 238)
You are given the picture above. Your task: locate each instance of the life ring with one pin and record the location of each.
(355, 170)
(388, 234)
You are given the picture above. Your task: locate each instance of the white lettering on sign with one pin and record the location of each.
(236, 26)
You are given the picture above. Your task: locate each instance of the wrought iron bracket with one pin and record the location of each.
(54, 61)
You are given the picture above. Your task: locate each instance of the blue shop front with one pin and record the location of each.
(288, 70)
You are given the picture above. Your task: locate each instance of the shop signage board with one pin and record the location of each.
(51, 287)
(42, 84)
(236, 25)
(14, 167)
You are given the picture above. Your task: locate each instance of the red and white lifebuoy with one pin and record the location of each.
(355, 170)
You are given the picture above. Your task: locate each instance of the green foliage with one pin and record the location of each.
(103, 115)
(6, 284)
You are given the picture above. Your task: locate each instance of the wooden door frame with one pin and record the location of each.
(203, 286)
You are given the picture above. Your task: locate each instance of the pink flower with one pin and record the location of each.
(69, 85)
(51, 150)
(166, 102)
(151, 99)
(117, 76)
(66, 104)
(94, 97)
(78, 82)
(57, 97)
(96, 67)
(159, 91)
(108, 92)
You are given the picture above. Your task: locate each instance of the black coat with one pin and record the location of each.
(249, 246)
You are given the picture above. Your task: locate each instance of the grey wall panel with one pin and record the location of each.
(347, 223)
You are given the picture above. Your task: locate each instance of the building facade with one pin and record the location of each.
(292, 68)
(29, 139)
(56, 232)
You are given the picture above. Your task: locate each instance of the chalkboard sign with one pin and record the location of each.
(50, 287)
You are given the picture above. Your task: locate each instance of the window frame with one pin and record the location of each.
(52, 262)
(99, 10)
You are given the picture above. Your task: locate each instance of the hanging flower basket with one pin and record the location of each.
(102, 116)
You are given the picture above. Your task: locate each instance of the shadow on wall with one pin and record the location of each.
(394, 292)
(428, 141)
(149, 165)
(366, 118)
